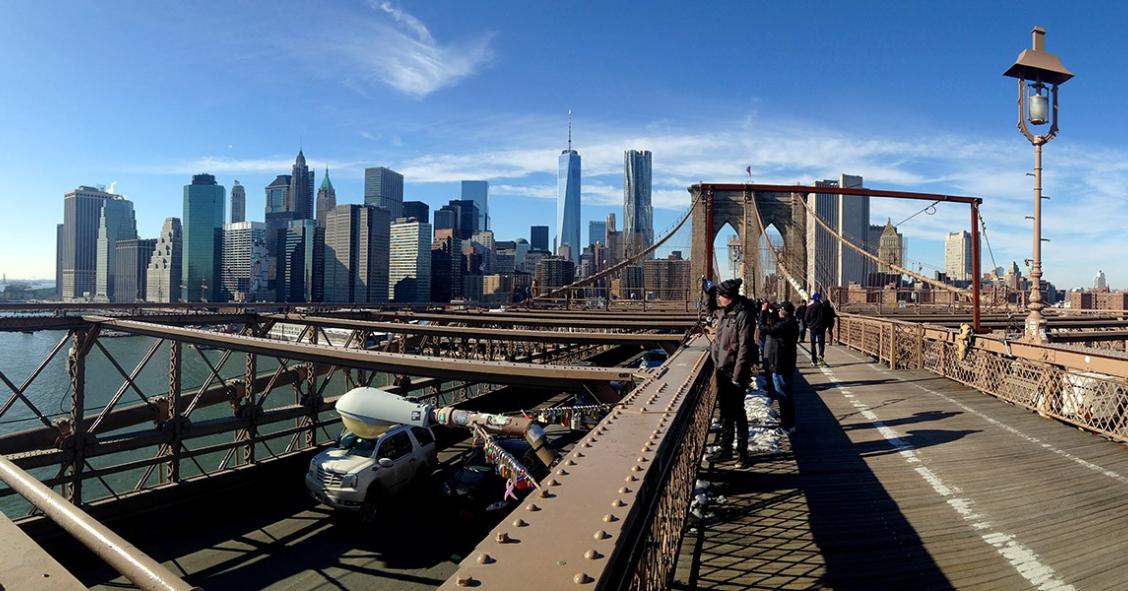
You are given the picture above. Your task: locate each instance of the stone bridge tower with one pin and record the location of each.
(738, 205)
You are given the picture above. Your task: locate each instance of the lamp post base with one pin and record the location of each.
(1035, 328)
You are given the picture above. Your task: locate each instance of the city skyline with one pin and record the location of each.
(785, 136)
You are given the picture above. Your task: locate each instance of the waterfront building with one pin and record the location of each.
(130, 269)
(409, 271)
(957, 255)
(82, 215)
(243, 263)
(164, 273)
(356, 254)
(204, 208)
(829, 263)
(638, 213)
(117, 222)
(383, 187)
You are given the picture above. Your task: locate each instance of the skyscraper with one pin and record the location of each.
(356, 254)
(59, 241)
(1100, 282)
(568, 200)
(890, 248)
(383, 187)
(238, 203)
(957, 255)
(82, 215)
(830, 264)
(244, 263)
(409, 270)
(479, 193)
(597, 232)
(326, 199)
(204, 208)
(278, 218)
(130, 272)
(638, 215)
(164, 273)
(538, 238)
(117, 222)
(301, 189)
(460, 215)
(417, 210)
(298, 263)
(446, 266)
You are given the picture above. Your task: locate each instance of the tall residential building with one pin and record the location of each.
(301, 189)
(130, 277)
(667, 279)
(409, 267)
(417, 210)
(538, 238)
(204, 208)
(82, 215)
(59, 234)
(638, 214)
(829, 264)
(597, 232)
(613, 241)
(243, 263)
(383, 187)
(568, 200)
(326, 199)
(238, 203)
(356, 254)
(553, 272)
(446, 266)
(1100, 282)
(479, 193)
(890, 248)
(299, 263)
(117, 222)
(957, 255)
(164, 273)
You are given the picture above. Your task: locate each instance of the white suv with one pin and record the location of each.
(359, 473)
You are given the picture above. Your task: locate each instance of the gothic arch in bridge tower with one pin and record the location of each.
(738, 206)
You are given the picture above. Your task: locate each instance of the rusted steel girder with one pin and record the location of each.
(498, 372)
(481, 334)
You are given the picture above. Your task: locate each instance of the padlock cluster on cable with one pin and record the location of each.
(564, 415)
(508, 467)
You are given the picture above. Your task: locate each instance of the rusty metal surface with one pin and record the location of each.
(416, 365)
(546, 336)
(143, 571)
(596, 523)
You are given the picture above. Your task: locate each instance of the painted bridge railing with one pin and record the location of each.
(1078, 385)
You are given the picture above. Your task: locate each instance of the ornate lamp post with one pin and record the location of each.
(1042, 72)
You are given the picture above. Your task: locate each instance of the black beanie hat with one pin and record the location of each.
(729, 288)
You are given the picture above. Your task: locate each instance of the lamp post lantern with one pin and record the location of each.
(1042, 72)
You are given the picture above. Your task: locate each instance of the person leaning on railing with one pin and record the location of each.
(733, 356)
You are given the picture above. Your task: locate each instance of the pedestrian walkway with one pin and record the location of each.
(905, 480)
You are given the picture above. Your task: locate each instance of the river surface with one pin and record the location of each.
(21, 353)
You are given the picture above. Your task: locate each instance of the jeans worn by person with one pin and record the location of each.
(786, 399)
(818, 344)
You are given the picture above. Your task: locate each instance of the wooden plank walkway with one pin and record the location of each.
(904, 480)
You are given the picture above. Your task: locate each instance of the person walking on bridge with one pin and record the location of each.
(819, 318)
(781, 333)
(733, 356)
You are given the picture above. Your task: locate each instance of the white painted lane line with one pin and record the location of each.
(1020, 557)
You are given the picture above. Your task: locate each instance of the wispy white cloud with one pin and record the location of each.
(396, 48)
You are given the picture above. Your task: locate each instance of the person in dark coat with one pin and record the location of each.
(819, 318)
(733, 357)
(800, 312)
(781, 343)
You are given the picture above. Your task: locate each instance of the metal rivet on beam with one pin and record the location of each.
(532, 507)
(582, 579)
(562, 472)
(465, 581)
(592, 554)
(624, 490)
(502, 537)
(602, 535)
(618, 503)
(484, 558)
(609, 518)
(520, 522)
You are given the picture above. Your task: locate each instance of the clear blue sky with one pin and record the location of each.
(907, 94)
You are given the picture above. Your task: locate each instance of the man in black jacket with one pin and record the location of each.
(819, 319)
(733, 357)
(781, 342)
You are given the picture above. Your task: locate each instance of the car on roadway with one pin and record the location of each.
(360, 475)
(653, 358)
(475, 488)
